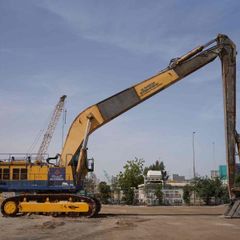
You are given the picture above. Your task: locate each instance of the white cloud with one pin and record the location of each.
(153, 28)
(141, 30)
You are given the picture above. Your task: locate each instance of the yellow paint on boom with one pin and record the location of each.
(77, 131)
(156, 83)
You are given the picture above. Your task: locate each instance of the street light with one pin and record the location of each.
(194, 170)
(213, 151)
(193, 148)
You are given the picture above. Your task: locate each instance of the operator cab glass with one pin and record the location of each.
(90, 164)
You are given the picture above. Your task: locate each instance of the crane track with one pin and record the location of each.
(10, 206)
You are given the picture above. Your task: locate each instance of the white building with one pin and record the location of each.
(146, 193)
(173, 196)
(153, 176)
(214, 174)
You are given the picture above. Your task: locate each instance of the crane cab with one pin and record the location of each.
(20, 173)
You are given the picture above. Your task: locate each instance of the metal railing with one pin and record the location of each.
(29, 157)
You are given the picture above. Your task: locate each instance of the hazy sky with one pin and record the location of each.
(89, 50)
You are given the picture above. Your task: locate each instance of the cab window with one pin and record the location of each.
(16, 173)
(6, 174)
(23, 175)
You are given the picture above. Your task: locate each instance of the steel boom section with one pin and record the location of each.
(110, 108)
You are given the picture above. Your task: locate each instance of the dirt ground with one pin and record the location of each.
(125, 222)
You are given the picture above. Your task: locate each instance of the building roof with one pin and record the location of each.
(154, 173)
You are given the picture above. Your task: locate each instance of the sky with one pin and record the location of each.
(90, 50)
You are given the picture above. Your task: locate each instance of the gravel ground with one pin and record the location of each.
(125, 222)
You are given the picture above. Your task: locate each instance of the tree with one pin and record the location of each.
(165, 177)
(204, 188)
(116, 191)
(159, 194)
(104, 192)
(130, 178)
(225, 195)
(208, 189)
(220, 191)
(187, 192)
(237, 182)
(90, 184)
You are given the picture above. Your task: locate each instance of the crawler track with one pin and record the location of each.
(11, 207)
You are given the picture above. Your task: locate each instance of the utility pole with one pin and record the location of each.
(213, 152)
(194, 167)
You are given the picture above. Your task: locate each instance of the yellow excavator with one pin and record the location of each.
(52, 186)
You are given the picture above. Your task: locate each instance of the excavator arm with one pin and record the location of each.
(75, 147)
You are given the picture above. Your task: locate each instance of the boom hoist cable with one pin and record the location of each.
(51, 128)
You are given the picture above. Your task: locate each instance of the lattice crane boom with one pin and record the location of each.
(51, 128)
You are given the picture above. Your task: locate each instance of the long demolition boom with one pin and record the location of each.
(75, 147)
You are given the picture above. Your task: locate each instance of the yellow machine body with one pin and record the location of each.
(61, 206)
(22, 175)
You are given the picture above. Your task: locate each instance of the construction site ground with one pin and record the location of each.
(127, 222)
